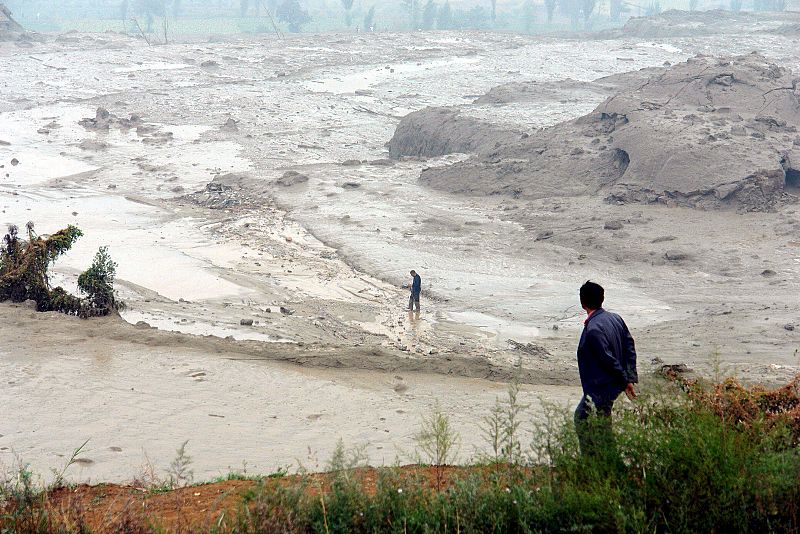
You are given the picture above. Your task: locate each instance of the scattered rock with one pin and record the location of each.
(664, 238)
(789, 327)
(545, 234)
(767, 273)
(230, 126)
(246, 322)
(30, 304)
(4, 143)
(613, 225)
(286, 311)
(384, 162)
(291, 178)
(531, 349)
(676, 255)
(351, 185)
(93, 145)
(14, 162)
(209, 64)
(142, 325)
(351, 162)
(101, 121)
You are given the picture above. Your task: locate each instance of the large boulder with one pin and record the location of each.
(707, 133)
(433, 132)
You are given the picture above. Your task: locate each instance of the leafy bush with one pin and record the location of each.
(24, 266)
(97, 282)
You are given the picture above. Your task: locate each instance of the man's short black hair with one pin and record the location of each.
(413, 271)
(592, 295)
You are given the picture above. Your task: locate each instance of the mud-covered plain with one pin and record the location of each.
(256, 185)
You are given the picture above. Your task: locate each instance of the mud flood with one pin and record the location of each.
(263, 235)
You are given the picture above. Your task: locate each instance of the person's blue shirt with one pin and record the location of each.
(416, 285)
(606, 355)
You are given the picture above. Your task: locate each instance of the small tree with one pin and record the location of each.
(293, 14)
(550, 5)
(369, 19)
(348, 15)
(444, 19)
(412, 6)
(97, 282)
(429, 15)
(438, 441)
(529, 15)
(615, 9)
(587, 7)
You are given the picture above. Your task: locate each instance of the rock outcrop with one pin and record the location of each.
(708, 133)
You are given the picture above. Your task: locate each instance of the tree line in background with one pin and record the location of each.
(370, 15)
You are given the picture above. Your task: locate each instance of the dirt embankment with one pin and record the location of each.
(709, 132)
(678, 23)
(434, 132)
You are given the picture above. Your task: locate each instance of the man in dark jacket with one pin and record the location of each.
(607, 366)
(416, 289)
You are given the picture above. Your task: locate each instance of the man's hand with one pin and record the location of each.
(630, 391)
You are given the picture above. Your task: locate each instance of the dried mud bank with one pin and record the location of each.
(705, 133)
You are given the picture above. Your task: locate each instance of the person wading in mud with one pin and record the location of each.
(607, 367)
(416, 289)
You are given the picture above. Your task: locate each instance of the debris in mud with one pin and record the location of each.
(531, 349)
(613, 225)
(103, 120)
(351, 185)
(676, 255)
(230, 126)
(4, 143)
(286, 311)
(291, 178)
(663, 137)
(383, 162)
(788, 327)
(14, 162)
(246, 322)
(673, 371)
(664, 239)
(93, 145)
(768, 273)
(230, 191)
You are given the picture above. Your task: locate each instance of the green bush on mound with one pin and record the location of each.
(24, 268)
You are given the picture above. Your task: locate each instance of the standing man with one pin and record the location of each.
(607, 366)
(416, 289)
